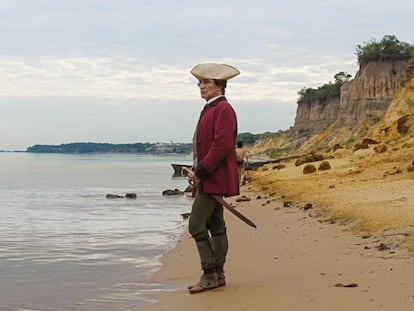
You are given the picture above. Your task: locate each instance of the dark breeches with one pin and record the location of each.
(206, 216)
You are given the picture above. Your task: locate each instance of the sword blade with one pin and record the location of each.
(220, 200)
(235, 212)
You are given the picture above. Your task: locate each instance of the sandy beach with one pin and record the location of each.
(339, 239)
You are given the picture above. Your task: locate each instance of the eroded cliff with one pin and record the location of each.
(378, 102)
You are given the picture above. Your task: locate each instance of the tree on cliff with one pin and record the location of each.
(329, 90)
(388, 49)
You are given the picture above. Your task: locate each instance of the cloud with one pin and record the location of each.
(125, 77)
(99, 77)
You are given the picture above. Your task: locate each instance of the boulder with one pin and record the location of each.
(307, 206)
(324, 166)
(278, 166)
(309, 169)
(310, 157)
(360, 146)
(369, 141)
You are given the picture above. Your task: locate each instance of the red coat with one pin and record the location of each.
(214, 149)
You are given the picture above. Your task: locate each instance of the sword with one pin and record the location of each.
(230, 208)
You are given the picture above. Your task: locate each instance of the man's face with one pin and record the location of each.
(208, 89)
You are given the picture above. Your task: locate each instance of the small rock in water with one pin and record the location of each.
(172, 192)
(185, 215)
(131, 195)
(113, 196)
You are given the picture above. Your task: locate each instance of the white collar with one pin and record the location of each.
(213, 99)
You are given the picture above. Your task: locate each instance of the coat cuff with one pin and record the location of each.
(202, 172)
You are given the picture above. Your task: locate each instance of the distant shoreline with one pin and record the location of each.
(134, 148)
(10, 151)
(85, 153)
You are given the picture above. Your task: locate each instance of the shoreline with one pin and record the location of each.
(307, 259)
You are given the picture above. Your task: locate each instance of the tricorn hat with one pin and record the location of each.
(214, 71)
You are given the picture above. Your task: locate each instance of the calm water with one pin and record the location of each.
(64, 246)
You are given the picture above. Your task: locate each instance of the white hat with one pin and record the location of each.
(214, 71)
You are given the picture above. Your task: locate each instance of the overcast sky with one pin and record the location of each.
(118, 71)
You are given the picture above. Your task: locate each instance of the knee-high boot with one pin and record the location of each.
(220, 246)
(208, 263)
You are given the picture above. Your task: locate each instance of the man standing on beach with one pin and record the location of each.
(242, 159)
(215, 172)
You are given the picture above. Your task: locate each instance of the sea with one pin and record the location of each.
(65, 246)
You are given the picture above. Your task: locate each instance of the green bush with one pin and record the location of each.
(389, 48)
(248, 138)
(329, 90)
